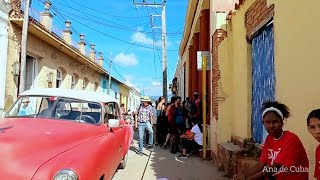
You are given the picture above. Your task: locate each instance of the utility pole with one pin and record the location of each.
(164, 39)
(23, 72)
(164, 52)
(109, 87)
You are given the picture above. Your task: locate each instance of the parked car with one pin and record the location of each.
(61, 134)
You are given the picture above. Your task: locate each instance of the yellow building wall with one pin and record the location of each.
(240, 54)
(226, 90)
(296, 31)
(124, 91)
(296, 70)
(42, 51)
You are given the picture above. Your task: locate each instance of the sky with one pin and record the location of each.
(124, 33)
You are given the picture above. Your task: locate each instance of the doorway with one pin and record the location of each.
(263, 79)
(31, 72)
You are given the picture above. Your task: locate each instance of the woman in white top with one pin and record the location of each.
(192, 140)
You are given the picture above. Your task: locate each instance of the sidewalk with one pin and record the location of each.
(162, 164)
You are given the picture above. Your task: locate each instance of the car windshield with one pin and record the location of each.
(57, 108)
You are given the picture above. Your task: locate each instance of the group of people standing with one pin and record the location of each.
(170, 124)
(180, 121)
(283, 155)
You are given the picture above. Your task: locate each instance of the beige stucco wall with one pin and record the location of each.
(241, 59)
(46, 64)
(296, 63)
(226, 107)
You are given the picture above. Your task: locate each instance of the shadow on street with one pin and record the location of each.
(160, 164)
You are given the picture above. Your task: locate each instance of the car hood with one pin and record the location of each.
(27, 143)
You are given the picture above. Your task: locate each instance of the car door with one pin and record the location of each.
(114, 113)
(123, 128)
(127, 132)
(111, 153)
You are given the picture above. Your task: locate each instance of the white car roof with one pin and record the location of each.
(70, 93)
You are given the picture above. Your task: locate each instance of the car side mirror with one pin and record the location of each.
(114, 123)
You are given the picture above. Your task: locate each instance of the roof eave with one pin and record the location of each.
(191, 10)
(58, 42)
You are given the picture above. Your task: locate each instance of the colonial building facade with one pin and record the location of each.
(200, 25)
(52, 61)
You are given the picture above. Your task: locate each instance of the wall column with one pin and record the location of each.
(195, 78)
(205, 46)
(191, 74)
(204, 41)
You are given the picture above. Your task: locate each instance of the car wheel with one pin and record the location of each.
(124, 161)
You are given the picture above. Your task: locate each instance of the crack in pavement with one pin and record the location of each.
(145, 168)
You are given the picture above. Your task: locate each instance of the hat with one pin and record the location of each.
(145, 99)
(196, 93)
(25, 100)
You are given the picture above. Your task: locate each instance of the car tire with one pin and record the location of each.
(124, 161)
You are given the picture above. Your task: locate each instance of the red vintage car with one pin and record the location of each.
(59, 134)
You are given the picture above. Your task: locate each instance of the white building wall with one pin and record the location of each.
(134, 100)
(4, 25)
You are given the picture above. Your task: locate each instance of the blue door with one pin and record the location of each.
(263, 79)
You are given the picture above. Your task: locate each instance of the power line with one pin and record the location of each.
(96, 10)
(115, 69)
(100, 22)
(110, 36)
(79, 35)
(154, 46)
(99, 17)
(63, 19)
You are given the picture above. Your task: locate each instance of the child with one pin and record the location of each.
(313, 122)
(283, 155)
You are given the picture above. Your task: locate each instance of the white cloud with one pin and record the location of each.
(128, 77)
(126, 59)
(142, 38)
(155, 83)
(151, 88)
